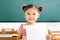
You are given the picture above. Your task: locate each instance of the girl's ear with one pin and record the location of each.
(40, 8)
(24, 7)
(38, 15)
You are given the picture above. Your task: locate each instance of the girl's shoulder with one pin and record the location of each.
(23, 25)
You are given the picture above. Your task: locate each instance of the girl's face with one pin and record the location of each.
(31, 15)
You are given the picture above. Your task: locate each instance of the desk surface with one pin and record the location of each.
(8, 38)
(8, 35)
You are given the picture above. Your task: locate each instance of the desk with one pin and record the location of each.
(8, 38)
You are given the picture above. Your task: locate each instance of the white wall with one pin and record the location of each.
(54, 26)
(50, 25)
(10, 25)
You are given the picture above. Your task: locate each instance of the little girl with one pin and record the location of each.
(32, 30)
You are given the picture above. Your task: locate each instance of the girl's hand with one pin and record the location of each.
(48, 37)
(24, 38)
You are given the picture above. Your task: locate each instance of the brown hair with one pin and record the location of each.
(26, 7)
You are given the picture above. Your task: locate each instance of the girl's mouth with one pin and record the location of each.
(31, 19)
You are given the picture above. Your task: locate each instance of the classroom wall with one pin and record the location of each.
(10, 10)
(48, 25)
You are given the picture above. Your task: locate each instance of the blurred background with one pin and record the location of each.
(10, 10)
(15, 25)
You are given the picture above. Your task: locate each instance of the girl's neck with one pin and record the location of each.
(28, 23)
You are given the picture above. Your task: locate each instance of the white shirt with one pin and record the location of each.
(36, 31)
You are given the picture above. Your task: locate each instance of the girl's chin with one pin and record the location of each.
(31, 22)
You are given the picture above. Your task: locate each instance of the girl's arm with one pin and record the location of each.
(24, 38)
(49, 37)
(22, 35)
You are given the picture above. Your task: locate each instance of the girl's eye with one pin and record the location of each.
(28, 13)
(33, 13)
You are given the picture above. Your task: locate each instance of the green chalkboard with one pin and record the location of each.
(10, 10)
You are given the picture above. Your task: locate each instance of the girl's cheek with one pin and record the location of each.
(27, 18)
(36, 17)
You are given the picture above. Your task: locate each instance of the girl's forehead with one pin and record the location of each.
(32, 10)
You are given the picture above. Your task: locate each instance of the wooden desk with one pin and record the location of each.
(8, 38)
(55, 35)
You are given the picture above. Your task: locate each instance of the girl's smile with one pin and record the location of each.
(31, 15)
(31, 18)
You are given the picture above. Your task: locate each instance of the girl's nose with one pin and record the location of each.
(31, 16)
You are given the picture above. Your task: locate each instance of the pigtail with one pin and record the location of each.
(40, 8)
(24, 6)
